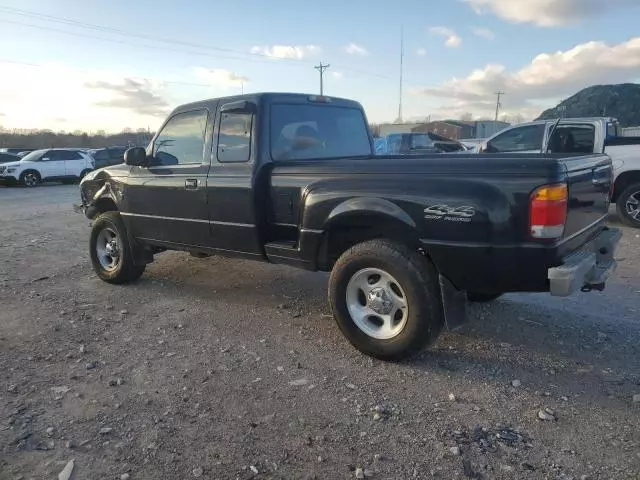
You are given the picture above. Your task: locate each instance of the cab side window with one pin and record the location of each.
(573, 139)
(181, 141)
(234, 137)
(518, 139)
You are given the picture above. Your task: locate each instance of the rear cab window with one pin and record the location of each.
(317, 131)
(577, 138)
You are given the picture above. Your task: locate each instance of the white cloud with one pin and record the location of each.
(421, 52)
(220, 78)
(548, 13)
(57, 96)
(296, 52)
(483, 33)
(355, 49)
(337, 75)
(548, 78)
(452, 38)
(136, 95)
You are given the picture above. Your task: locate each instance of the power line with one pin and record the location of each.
(164, 81)
(321, 68)
(247, 56)
(498, 104)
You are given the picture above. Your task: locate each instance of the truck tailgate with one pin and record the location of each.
(589, 180)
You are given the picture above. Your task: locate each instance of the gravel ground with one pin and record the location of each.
(221, 368)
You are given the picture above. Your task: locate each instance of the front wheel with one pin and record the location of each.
(628, 205)
(385, 299)
(111, 256)
(30, 178)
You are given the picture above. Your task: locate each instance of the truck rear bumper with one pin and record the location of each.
(588, 268)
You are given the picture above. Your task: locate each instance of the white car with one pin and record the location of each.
(624, 152)
(54, 164)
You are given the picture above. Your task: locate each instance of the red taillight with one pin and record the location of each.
(548, 211)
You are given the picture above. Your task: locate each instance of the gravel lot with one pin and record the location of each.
(224, 369)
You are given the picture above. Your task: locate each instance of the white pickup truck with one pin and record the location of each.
(581, 135)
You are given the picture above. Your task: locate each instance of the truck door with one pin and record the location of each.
(166, 202)
(234, 194)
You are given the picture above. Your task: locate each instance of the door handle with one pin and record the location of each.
(191, 183)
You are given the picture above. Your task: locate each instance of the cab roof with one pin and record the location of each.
(263, 98)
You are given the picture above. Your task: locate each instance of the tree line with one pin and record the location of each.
(48, 139)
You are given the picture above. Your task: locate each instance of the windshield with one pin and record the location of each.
(33, 156)
(300, 131)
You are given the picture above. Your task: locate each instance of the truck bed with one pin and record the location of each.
(487, 250)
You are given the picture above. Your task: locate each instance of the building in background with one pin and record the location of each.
(488, 128)
(630, 132)
(389, 128)
(443, 128)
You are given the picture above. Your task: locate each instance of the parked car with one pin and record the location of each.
(108, 156)
(8, 158)
(293, 179)
(54, 164)
(16, 151)
(528, 138)
(415, 143)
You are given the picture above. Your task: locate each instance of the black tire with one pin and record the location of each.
(123, 270)
(625, 203)
(83, 174)
(478, 297)
(418, 281)
(30, 178)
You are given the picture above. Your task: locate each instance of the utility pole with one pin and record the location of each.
(498, 104)
(321, 68)
(242, 87)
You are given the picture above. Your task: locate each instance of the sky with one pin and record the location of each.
(71, 65)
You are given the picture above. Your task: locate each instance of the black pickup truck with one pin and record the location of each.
(293, 179)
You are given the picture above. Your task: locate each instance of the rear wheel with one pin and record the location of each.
(628, 205)
(30, 178)
(84, 173)
(477, 297)
(111, 255)
(385, 299)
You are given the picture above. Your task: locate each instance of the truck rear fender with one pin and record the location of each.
(364, 218)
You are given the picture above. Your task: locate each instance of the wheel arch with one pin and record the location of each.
(623, 181)
(361, 219)
(103, 200)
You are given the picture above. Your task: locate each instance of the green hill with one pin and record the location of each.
(619, 101)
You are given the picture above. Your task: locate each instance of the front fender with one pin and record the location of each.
(93, 194)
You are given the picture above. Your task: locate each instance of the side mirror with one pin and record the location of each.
(135, 157)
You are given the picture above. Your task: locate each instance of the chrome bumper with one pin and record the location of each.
(586, 269)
